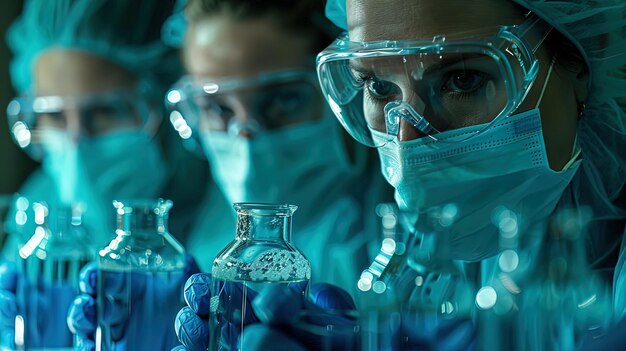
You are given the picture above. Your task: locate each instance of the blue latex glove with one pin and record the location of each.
(8, 304)
(278, 319)
(42, 304)
(192, 322)
(152, 299)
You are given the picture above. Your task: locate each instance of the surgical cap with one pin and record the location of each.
(598, 29)
(173, 32)
(124, 32)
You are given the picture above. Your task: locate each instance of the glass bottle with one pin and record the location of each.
(48, 265)
(141, 274)
(563, 299)
(260, 257)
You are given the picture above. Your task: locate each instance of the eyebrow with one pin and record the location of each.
(450, 61)
(356, 65)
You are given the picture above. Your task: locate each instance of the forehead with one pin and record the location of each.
(220, 47)
(414, 19)
(71, 72)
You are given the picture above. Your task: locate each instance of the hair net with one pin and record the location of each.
(336, 13)
(124, 32)
(598, 29)
(173, 32)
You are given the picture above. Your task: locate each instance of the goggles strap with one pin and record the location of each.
(540, 33)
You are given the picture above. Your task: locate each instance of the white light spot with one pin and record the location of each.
(486, 298)
(19, 331)
(21, 217)
(389, 246)
(39, 213)
(21, 134)
(419, 280)
(389, 221)
(364, 285)
(448, 214)
(186, 133)
(447, 308)
(508, 261)
(210, 88)
(174, 97)
(14, 108)
(508, 227)
(22, 203)
(379, 287)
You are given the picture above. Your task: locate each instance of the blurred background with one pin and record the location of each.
(15, 165)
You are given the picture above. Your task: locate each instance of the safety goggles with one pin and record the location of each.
(268, 101)
(434, 85)
(32, 119)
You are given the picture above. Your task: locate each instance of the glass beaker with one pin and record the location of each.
(260, 257)
(47, 268)
(141, 274)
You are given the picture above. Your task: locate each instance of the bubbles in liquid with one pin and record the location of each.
(274, 265)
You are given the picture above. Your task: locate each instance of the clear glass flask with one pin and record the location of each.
(48, 263)
(260, 257)
(141, 274)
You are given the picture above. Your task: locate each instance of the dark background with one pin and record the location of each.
(15, 166)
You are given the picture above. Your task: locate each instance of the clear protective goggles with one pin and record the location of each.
(435, 85)
(32, 119)
(267, 101)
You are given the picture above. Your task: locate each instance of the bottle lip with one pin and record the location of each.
(159, 206)
(265, 209)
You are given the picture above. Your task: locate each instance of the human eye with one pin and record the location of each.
(381, 89)
(463, 82)
(212, 108)
(52, 120)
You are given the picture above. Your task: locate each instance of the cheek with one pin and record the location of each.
(559, 118)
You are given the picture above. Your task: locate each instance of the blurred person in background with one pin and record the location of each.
(266, 132)
(251, 104)
(91, 77)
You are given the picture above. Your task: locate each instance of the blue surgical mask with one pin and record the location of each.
(305, 165)
(506, 165)
(119, 165)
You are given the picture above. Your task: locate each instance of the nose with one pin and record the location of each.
(407, 131)
(73, 126)
(242, 122)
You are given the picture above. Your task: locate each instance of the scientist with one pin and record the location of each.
(90, 77)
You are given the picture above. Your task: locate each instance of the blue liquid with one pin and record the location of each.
(136, 310)
(45, 290)
(231, 304)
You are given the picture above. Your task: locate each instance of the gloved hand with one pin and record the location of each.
(8, 304)
(278, 320)
(138, 318)
(42, 304)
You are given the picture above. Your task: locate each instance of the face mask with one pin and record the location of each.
(506, 166)
(305, 165)
(96, 171)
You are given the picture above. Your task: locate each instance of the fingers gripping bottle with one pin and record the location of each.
(49, 260)
(261, 257)
(140, 280)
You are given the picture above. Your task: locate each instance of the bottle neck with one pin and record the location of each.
(263, 227)
(143, 225)
(62, 222)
